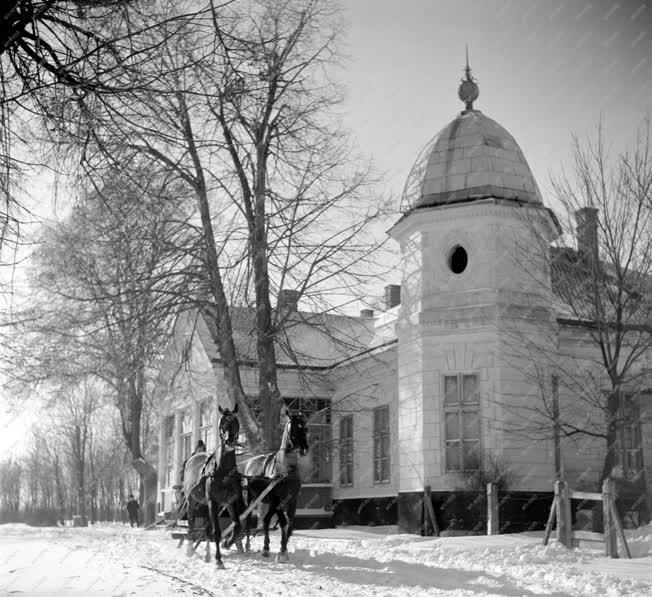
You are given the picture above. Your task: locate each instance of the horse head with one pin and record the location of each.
(296, 430)
(229, 427)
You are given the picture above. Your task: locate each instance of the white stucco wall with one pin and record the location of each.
(452, 323)
(361, 386)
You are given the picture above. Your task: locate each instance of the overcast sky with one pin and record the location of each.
(546, 68)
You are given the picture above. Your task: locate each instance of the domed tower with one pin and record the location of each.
(474, 240)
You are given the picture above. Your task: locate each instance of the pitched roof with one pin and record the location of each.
(311, 340)
(571, 278)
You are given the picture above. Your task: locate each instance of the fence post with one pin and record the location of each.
(429, 512)
(610, 540)
(492, 509)
(562, 503)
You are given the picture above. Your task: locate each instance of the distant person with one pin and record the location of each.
(132, 510)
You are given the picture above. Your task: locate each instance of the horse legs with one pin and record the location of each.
(207, 554)
(266, 520)
(215, 525)
(291, 512)
(285, 528)
(236, 537)
(247, 521)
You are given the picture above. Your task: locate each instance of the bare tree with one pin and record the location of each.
(11, 476)
(589, 363)
(74, 462)
(55, 54)
(104, 284)
(45, 43)
(244, 115)
(72, 424)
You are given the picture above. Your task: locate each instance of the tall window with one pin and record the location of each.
(186, 434)
(462, 422)
(206, 431)
(346, 451)
(629, 453)
(169, 450)
(318, 414)
(381, 444)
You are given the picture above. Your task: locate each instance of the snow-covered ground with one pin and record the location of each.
(356, 561)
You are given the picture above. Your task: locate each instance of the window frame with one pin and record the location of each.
(379, 436)
(460, 407)
(186, 436)
(209, 428)
(347, 463)
(320, 427)
(169, 450)
(628, 433)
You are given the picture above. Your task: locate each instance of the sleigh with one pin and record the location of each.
(195, 536)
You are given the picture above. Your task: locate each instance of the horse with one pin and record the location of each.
(224, 483)
(287, 462)
(214, 481)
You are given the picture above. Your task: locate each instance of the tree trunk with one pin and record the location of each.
(611, 423)
(224, 339)
(148, 481)
(122, 499)
(268, 391)
(61, 506)
(612, 415)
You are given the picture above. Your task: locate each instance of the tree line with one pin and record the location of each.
(73, 464)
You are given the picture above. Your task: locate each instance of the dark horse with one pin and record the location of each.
(215, 481)
(288, 464)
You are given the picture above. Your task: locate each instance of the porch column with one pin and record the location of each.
(176, 464)
(162, 445)
(195, 408)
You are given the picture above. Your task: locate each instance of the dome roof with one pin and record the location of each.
(473, 157)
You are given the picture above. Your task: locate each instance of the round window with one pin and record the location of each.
(458, 259)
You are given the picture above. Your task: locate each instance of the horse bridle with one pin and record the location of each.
(291, 447)
(224, 444)
(224, 436)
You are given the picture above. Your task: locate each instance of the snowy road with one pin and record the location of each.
(115, 560)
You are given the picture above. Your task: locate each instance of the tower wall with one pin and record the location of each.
(471, 323)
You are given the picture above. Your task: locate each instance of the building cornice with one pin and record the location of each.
(288, 366)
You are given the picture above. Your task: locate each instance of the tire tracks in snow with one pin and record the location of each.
(179, 579)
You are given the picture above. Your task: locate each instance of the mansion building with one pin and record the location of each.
(446, 379)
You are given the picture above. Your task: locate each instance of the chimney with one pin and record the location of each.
(392, 296)
(367, 313)
(586, 220)
(288, 299)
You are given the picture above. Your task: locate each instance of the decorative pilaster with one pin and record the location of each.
(162, 460)
(176, 465)
(195, 408)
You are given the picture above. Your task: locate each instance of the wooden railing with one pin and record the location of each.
(561, 510)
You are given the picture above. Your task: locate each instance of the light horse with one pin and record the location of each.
(288, 463)
(215, 481)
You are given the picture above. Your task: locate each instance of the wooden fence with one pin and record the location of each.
(561, 512)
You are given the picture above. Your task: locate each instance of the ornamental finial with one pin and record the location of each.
(468, 90)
